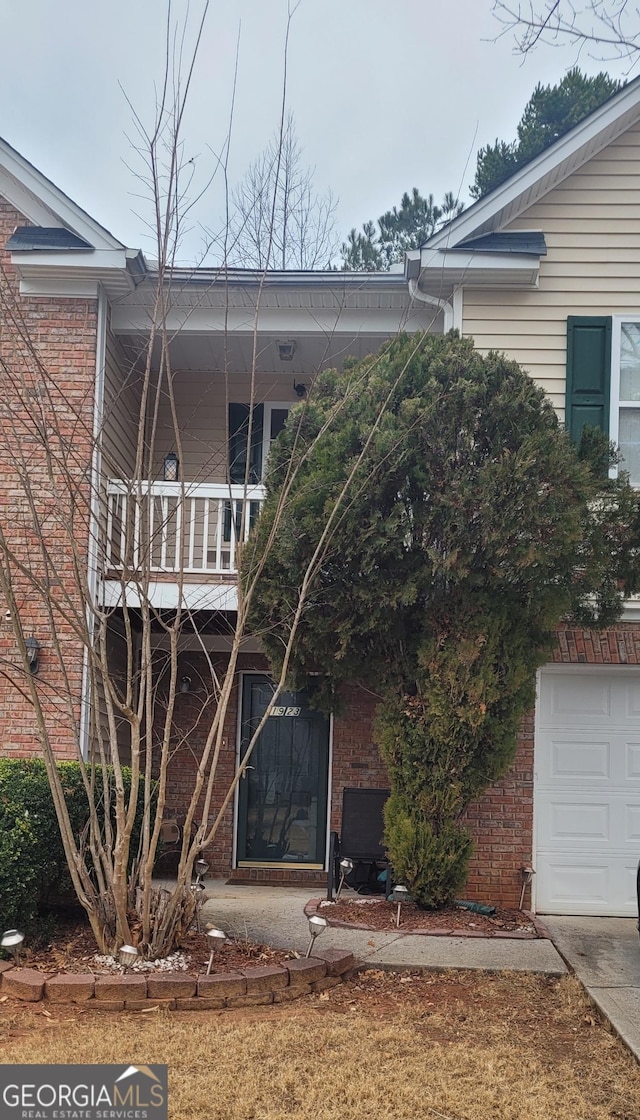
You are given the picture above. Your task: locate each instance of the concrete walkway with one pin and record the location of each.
(604, 953)
(275, 916)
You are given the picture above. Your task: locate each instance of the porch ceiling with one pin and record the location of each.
(314, 350)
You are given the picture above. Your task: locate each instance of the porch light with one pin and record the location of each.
(12, 939)
(299, 389)
(216, 938)
(286, 350)
(185, 684)
(127, 956)
(317, 926)
(170, 467)
(346, 867)
(32, 646)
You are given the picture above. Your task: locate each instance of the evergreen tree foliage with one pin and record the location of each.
(405, 227)
(550, 112)
(471, 527)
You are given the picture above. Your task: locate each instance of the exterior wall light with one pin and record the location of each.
(32, 646)
(185, 684)
(299, 389)
(171, 466)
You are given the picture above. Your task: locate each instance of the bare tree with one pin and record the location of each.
(277, 218)
(64, 528)
(611, 27)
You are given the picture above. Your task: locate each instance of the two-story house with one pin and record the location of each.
(546, 268)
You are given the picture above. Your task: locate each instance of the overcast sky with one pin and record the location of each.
(387, 94)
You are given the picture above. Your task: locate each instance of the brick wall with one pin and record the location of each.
(501, 821)
(620, 645)
(47, 370)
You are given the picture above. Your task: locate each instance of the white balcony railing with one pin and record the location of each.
(177, 527)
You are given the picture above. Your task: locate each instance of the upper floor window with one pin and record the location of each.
(624, 426)
(603, 382)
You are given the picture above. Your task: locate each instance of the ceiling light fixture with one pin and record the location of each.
(286, 350)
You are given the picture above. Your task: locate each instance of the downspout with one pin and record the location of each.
(433, 301)
(94, 515)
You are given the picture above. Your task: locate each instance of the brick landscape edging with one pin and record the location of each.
(180, 991)
(314, 907)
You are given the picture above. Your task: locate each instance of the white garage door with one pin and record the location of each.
(587, 791)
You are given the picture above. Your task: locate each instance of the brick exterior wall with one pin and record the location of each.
(620, 645)
(501, 821)
(47, 368)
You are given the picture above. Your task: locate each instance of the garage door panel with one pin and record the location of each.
(587, 791)
(588, 759)
(632, 758)
(573, 759)
(585, 822)
(632, 823)
(579, 822)
(572, 884)
(632, 696)
(566, 703)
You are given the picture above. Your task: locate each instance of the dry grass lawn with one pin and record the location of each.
(447, 1046)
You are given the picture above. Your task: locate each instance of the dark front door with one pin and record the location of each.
(282, 816)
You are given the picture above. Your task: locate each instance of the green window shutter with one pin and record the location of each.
(588, 373)
(238, 431)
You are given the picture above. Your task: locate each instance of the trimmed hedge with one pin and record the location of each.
(33, 868)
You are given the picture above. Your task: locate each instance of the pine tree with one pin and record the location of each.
(471, 527)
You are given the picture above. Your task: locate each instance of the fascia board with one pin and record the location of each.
(471, 267)
(32, 260)
(606, 124)
(299, 321)
(39, 200)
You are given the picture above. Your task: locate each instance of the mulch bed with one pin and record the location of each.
(73, 949)
(377, 914)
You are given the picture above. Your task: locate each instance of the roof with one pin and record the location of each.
(527, 242)
(561, 159)
(45, 238)
(44, 204)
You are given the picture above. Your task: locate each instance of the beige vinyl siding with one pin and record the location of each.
(591, 225)
(121, 412)
(201, 407)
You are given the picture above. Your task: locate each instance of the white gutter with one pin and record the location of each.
(433, 301)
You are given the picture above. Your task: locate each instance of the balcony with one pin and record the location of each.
(165, 529)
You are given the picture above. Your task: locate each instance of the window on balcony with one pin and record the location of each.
(268, 421)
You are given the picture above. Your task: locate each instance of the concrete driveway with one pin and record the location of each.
(604, 953)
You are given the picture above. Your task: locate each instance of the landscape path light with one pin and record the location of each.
(127, 956)
(400, 894)
(12, 939)
(317, 925)
(216, 939)
(346, 867)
